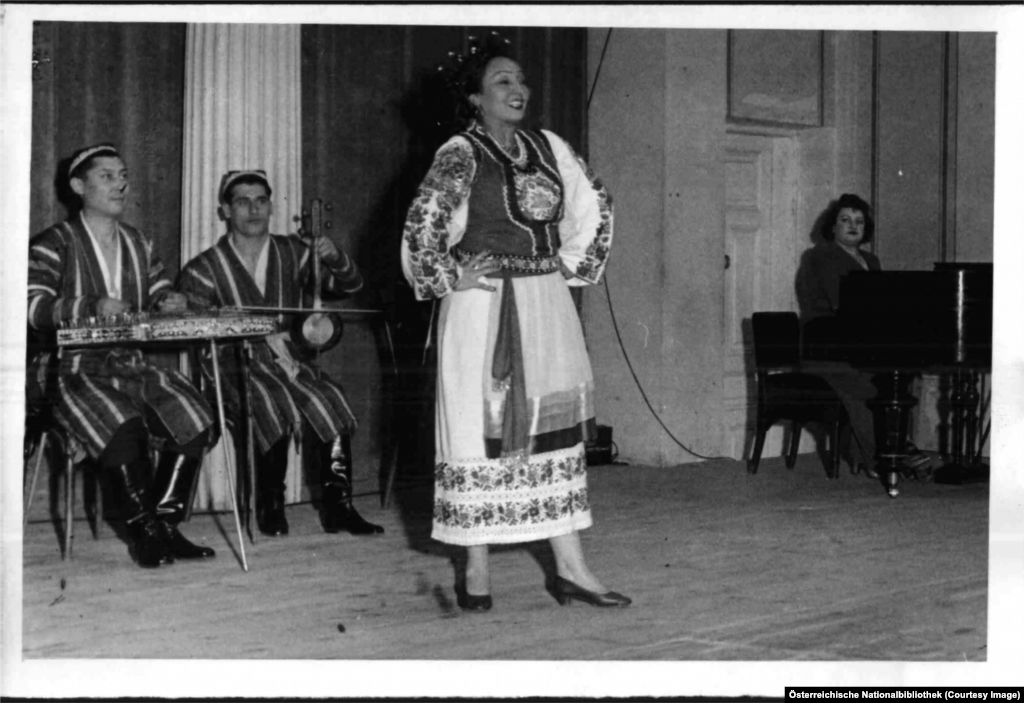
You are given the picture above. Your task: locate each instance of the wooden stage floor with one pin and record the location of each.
(722, 566)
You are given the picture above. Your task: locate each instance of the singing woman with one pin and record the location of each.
(506, 220)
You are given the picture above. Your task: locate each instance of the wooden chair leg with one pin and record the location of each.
(755, 458)
(91, 499)
(390, 456)
(835, 456)
(794, 445)
(35, 476)
(391, 462)
(69, 504)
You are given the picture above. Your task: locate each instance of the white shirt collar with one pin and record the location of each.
(260, 276)
(112, 280)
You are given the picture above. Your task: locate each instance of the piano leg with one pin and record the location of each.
(891, 410)
(964, 400)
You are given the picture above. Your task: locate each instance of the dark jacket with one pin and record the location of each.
(817, 283)
(817, 291)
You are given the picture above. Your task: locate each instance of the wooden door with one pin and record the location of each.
(760, 265)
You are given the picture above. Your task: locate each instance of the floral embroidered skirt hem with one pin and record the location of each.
(502, 501)
(481, 498)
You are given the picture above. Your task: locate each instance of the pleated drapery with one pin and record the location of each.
(242, 111)
(117, 82)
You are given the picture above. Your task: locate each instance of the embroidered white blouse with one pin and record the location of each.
(437, 219)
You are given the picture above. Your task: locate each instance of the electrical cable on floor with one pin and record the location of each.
(611, 308)
(639, 386)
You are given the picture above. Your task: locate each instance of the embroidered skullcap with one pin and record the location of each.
(105, 149)
(232, 177)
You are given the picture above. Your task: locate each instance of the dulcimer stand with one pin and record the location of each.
(142, 328)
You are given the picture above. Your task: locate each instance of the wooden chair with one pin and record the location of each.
(47, 440)
(785, 393)
(50, 434)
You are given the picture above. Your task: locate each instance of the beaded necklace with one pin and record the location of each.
(520, 151)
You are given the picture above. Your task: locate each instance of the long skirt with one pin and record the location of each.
(854, 388)
(489, 500)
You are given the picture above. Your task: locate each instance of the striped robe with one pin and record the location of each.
(99, 389)
(218, 278)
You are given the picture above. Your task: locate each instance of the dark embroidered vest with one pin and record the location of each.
(514, 206)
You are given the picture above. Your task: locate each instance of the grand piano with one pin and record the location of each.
(897, 324)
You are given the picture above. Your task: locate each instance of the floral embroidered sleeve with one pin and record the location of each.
(433, 224)
(586, 227)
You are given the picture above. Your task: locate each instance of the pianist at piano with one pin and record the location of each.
(847, 226)
(109, 400)
(249, 267)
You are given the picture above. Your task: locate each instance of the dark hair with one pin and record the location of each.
(466, 78)
(228, 189)
(853, 202)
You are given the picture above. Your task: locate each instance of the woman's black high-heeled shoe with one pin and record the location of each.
(566, 591)
(467, 601)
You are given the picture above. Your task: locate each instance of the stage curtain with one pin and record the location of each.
(242, 111)
(84, 91)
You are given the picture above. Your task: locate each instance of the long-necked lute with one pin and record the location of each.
(320, 329)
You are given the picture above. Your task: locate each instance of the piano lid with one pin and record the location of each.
(918, 319)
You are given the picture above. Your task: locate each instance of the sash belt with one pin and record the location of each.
(507, 366)
(507, 372)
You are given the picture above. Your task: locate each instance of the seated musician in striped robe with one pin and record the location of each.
(109, 399)
(249, 267)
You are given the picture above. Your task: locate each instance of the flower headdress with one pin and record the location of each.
(479, 51)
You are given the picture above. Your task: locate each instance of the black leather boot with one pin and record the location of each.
(175, 485)
(337, 512)
(271, 469)
(145, 535)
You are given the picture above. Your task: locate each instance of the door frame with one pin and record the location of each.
(776, 158)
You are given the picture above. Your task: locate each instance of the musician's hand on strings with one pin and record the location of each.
(474, 271)
(327, 250)
(111, 306)
(173, 302)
